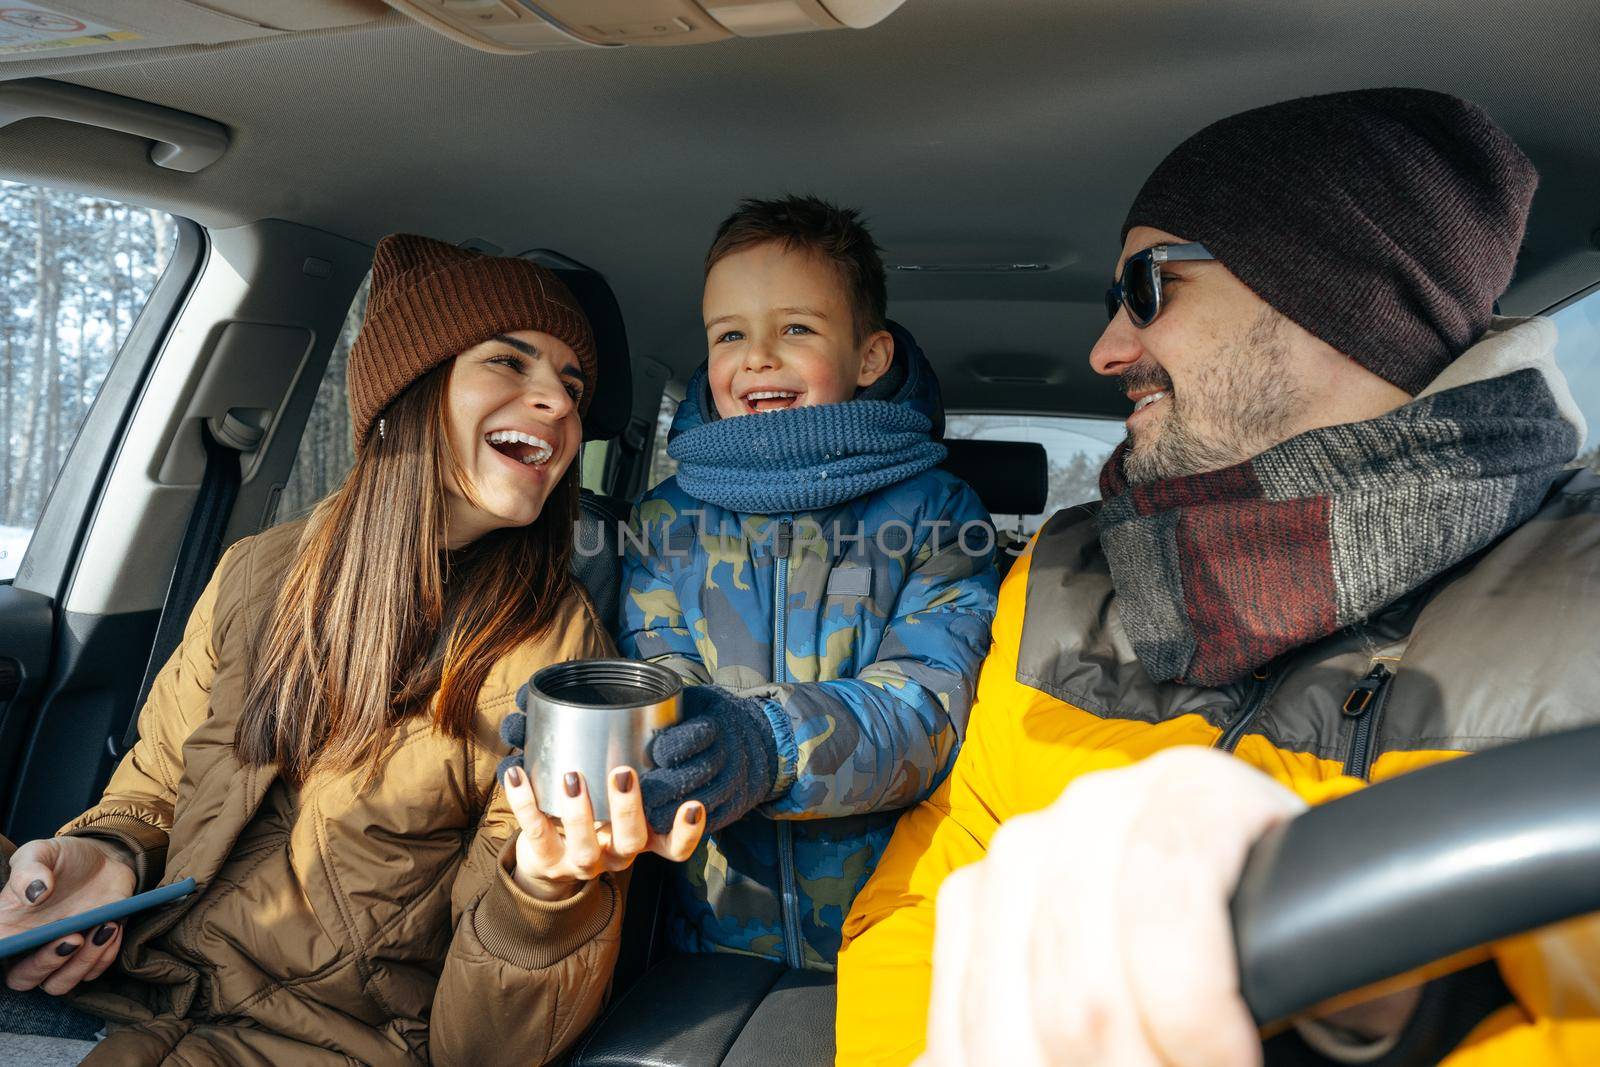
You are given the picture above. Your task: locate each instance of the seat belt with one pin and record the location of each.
(197, 555)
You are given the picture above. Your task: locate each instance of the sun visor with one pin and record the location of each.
(514, 27)
(65, 30)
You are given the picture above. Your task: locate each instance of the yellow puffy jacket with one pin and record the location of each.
(1061, 695)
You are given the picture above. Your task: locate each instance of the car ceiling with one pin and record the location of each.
(968, 131)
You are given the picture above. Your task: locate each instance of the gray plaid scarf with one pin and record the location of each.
(1218, 573)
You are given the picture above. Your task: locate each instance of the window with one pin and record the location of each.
(327, 447)
(1077, 448)
(1578, 354)
(75, 271)
(663, 466)
(592, 462)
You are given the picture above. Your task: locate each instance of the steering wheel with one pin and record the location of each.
(1418, 868)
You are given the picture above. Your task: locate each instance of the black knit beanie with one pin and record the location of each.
(1384, 221)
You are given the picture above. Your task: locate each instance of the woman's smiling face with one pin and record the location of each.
(512, 421)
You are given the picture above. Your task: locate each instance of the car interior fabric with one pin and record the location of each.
(597, 540)
(597, 553)
(612, 402)
(1010, 477)
(742, 1010)
(197, 558)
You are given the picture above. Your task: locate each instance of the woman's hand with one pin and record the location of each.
(554, 860)
(54, 878)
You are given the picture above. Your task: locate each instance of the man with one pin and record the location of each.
(1338, 544)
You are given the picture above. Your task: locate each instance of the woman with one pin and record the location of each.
(320, 751)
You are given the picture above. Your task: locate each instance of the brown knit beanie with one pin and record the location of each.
(1384, 221)
(431, 301)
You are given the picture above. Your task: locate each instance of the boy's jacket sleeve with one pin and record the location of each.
(884, 738)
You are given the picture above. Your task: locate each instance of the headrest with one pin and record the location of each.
(612, 403)
(1010, 477)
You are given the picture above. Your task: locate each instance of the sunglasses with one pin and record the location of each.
(1139, 288)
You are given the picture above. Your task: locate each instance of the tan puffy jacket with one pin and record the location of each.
(335, 927)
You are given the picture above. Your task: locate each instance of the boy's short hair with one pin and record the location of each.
(811, 224)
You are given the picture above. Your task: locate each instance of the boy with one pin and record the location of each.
(824, 591)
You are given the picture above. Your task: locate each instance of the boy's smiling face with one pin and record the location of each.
(780, 333)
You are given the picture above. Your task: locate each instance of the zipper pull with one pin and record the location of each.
(1360, 698)
(781, 540)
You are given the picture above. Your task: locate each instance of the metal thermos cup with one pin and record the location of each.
(590, 716)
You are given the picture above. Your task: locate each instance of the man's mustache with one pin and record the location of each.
(1143, 377)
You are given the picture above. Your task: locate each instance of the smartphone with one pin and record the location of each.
(40, 936)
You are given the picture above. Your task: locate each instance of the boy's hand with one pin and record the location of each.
(514, 732)
(722, 754)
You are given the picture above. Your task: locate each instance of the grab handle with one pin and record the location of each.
(183, 142)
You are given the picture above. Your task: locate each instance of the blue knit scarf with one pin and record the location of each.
(803, 459)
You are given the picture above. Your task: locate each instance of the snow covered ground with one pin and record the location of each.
(13, 543)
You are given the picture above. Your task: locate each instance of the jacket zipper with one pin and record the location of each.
(1364, 708)
(780, 673)
(1260, 690)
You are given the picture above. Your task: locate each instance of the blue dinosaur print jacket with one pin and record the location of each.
(863, 626)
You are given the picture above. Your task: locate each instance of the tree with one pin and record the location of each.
(327, 448)
(74, 273)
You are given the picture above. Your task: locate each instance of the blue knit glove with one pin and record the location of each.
(722, 754)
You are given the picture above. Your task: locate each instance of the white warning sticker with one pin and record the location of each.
(26, 27)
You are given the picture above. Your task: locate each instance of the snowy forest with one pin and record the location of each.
(74, 273)
(326, 448)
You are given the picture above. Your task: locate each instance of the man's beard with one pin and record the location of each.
(1239, 404)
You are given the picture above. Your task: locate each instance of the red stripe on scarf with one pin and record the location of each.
(1257, 578)
(1238, 482)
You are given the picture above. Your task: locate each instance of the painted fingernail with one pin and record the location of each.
(66, 948)
(571, 784)
(35, 890)
(514, 777)
(102, 935)
(694, 815)
(623, 780)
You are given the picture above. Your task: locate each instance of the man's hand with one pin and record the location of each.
(54, 878)
(1096, 931)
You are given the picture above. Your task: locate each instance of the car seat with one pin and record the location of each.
(1010, 477)
(596, 558)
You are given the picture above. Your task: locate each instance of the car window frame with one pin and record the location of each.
(46, 566)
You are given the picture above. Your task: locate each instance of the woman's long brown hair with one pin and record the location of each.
(377, 622)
